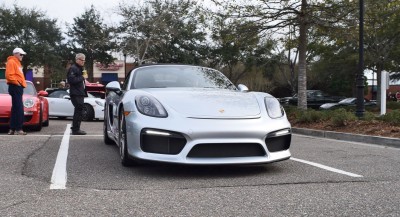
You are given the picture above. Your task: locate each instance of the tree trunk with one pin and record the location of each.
(302, 81)
(89, 70)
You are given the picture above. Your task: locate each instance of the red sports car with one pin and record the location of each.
(36, 107)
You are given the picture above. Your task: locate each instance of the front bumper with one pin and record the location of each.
(235, 136)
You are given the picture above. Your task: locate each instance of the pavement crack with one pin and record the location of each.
(25, 162)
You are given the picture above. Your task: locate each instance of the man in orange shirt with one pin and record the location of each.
(16, 83)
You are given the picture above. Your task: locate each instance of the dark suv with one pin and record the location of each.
(315, 98)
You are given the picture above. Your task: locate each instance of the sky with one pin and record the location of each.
(66, 10)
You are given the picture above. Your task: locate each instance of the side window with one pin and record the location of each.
(58, 94)
(54, 94)
(318, 94)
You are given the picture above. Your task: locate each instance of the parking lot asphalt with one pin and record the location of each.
(376, 140)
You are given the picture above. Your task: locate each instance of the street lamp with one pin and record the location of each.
(360, 74)
(125, 64)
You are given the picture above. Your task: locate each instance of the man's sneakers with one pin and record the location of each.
(18, 132)
(78, 132)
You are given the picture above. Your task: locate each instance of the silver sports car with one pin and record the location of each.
(193, 115)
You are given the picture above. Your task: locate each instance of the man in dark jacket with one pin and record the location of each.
(77, 91)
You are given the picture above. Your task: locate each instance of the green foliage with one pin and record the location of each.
(393, 105)
(35, 33)
(90, 36)
(163, 31)
(310, 116)
(392, 117)
(369, 116)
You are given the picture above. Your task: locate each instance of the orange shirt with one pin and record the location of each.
(14, 73)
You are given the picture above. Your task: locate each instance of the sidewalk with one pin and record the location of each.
(377, 140)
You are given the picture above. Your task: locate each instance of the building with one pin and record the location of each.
(101, 74)
(113, 72)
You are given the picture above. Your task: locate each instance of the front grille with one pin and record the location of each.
(278, 143)
(4, 120)
(215, 150)
(27, 118)
(162, 144)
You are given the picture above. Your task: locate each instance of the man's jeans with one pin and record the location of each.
(17, 108)
(78, 102)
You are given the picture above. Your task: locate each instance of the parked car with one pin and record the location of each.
(36, 107)
(348, 102)
(193, 115)
(60, 106)
(97, 90)
(315, 98)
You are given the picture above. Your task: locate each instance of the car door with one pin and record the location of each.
(60, 104)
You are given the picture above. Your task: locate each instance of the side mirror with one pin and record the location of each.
(43, 93)
(243, 88)
(114, 86)
(66, 97)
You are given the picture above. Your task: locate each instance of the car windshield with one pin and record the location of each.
(62, 93)
(164, 76)
(30, 89)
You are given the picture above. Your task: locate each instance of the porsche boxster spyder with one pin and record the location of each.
(193, 115)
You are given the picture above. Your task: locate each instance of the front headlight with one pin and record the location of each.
(148, 105)
(29, 103)
(100, 103)
(274, 108)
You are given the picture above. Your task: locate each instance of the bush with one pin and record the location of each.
(341, 117)
(309, 116)
(369, 116)
(392, 117)
(393, 105)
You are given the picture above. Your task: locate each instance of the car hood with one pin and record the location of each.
(206, 103)
(328, 105)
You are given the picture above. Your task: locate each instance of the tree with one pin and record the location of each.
(381, 31)
(279, 15)
(88, 35)
(31, 30)
(236, 42)
(163, 31)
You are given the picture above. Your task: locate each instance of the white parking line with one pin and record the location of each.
(59, 177)
(326, 167)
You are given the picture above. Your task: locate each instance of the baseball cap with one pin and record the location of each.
(19, 50)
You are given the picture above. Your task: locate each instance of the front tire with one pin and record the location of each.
(87, 113)
(46, 123)
(38, 127)
(107, 139)
(122, 142)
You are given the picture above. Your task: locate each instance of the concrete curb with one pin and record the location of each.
(377, 140)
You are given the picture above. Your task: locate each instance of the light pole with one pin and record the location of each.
(360, 74)
(125, 65)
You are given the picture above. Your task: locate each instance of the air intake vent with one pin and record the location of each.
(161, 142)
(215, 150)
